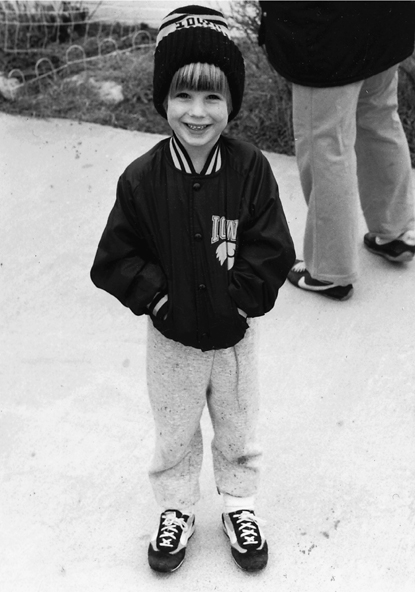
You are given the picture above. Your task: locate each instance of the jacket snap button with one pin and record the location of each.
(196, 186)
(198, 236)
(202, 287)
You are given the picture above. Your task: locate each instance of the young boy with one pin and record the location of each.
(198, 241)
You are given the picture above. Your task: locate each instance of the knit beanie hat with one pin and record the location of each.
(196, 34)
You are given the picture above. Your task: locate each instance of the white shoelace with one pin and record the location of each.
(249, 527)
(169, 530)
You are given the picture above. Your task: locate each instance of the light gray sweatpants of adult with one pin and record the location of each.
(350, 142)
(181, 382)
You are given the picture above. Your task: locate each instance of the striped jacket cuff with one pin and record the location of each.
(158, 301)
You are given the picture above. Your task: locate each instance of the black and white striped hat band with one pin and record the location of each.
(174, 22)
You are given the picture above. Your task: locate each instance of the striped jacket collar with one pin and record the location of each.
(182, 160)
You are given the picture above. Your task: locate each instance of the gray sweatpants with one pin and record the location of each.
(181, 381)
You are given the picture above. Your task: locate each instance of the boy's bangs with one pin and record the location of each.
(201, 77)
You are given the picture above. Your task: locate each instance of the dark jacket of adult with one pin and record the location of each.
(211, 243)
(326, 44)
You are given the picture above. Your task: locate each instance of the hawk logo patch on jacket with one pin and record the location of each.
(224, 230)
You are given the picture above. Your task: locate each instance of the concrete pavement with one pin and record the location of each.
(338, 382)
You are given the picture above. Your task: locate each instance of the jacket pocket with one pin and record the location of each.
(240, 316)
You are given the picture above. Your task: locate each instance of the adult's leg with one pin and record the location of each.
(324, 122)
(383, 159)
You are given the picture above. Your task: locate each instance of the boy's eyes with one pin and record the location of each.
(209, 97)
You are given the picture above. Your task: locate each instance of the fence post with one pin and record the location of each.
(47, 60)
(12, 74)
(76, 47)
(138, 34)
(106, 41)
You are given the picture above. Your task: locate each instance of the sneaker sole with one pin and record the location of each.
(342, 299)
(321, 290)
(402, 258)
(328, 292)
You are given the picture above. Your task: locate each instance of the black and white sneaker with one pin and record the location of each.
(301, 278)
(167, 548)
(248, 545)
(397, 251)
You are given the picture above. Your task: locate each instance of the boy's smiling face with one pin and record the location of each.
(197, 118)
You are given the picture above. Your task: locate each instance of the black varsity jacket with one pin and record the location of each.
(212, 243)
